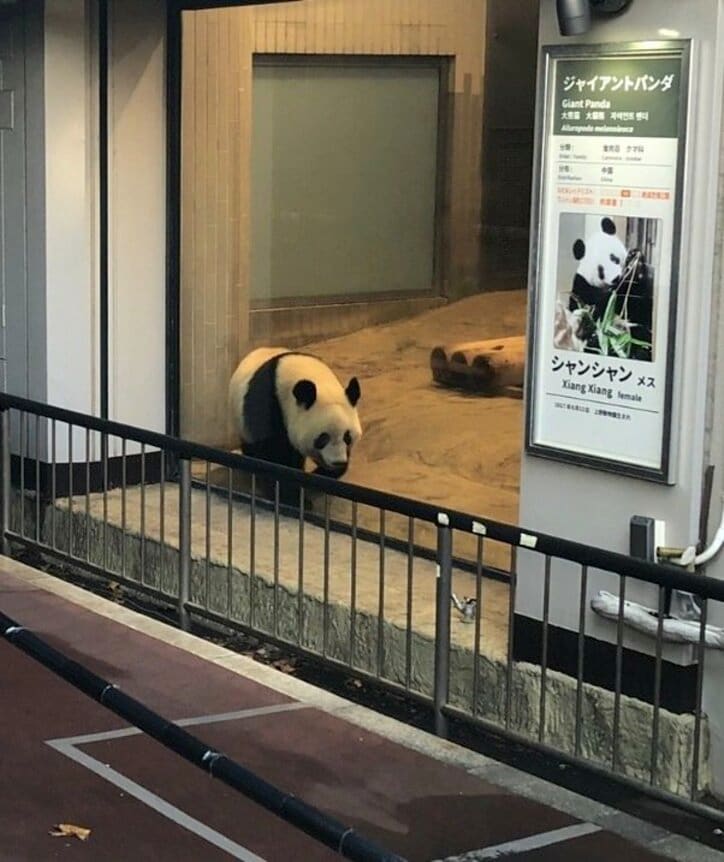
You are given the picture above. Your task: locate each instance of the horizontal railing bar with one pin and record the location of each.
(190, 450)
(665, 575)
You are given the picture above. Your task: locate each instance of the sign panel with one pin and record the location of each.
(603, 305)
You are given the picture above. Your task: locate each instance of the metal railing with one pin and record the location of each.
(362, 582)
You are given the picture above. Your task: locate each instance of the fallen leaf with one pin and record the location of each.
(68, 830)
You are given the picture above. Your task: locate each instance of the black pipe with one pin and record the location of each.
(345, 840)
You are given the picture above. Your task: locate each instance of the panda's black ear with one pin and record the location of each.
(305, 392)
(353, 391)
(579, 249)
(607, 226)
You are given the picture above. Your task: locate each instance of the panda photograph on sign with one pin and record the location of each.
(606, 276)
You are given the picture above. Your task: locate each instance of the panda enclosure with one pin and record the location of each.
(420, 440)
(425, 441)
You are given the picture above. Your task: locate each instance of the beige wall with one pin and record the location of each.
(216, 116)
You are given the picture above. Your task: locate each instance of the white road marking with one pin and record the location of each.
(186, 722)
(67, 747)
(524, 845)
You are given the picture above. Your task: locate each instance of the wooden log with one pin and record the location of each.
(489, 365)
(441, 370)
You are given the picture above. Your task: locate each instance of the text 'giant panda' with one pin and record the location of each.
(290, 406)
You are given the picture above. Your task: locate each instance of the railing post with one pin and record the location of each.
(184, 572)
(4, 480)
(442, 626)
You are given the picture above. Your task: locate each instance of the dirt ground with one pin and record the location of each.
(423, 440)
(428, 442)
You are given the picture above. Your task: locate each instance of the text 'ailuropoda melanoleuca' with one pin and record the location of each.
(290, 406)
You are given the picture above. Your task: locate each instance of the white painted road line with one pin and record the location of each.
(236, 851)
(524, 845)
(67, 747)
(240, 714)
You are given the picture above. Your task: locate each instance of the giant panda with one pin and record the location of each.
(606, 268)
(601, 258)
(290, 406)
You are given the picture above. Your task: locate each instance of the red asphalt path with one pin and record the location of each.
(141, 801)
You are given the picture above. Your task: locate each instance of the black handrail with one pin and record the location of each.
(345, 840)
(662, 574)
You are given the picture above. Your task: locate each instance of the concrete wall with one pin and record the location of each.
(137, 212)
(21, 155)
(594, 507)
(53, 303)
(714, 454)
(509, 98)
(71, 207)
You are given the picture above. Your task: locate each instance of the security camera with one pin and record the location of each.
(574, 16)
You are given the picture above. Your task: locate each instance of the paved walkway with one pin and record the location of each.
(65, 759)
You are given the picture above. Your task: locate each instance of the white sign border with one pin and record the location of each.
(681, 49)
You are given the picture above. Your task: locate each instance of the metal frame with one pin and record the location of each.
(103, 206)
(183, 583)
(550, 53)
(174, 10)
(173, 217)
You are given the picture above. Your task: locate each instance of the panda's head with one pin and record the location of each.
(601, 257)
(326, 425)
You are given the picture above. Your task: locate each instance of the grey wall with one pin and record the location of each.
(510, 69)
(22, 277)
(595, 507)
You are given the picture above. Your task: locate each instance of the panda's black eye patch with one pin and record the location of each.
(347, 438)
(321, 441)
(615, 259)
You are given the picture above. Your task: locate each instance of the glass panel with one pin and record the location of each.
(344, 160)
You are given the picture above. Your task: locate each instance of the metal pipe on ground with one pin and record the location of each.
(345, 840)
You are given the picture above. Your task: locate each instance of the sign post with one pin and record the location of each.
(604, 274)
